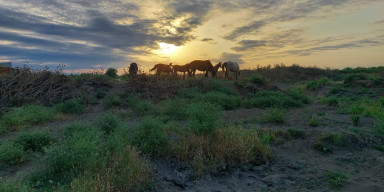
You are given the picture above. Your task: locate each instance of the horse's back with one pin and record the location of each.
(201, 64)
(232, 66)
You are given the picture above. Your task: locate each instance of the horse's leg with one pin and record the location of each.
(193, 73)
(206, 74)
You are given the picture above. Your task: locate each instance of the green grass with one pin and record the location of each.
(22, 117)
(73, 106)
(203, 118)
(257, 79)
(317, 84)
(12, 153)
(327, 142)
(275, 115)
(332, 101)
(267, 99)
(111, 101)
(107, 122)
(34, 141)
(335, 178)
(226, 101)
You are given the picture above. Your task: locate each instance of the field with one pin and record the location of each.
(281, 128)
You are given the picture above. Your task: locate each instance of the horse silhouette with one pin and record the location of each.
(201, 66)
(162, 68)
(133, 68)
(180, 68)
(230, 66)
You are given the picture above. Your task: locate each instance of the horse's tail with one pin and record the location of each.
(153, 68)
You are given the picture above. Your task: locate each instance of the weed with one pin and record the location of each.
(275, 116)
(21, 117)
(325, 142)
(171, 108)
(222, 99)
(34, 141)
(257, 79)
(335, 178)
(298, 94)
(296, 133)
(143, 107)
(203, 117)
(150, 137)
(111, 100)
(335, 89)
(12, 153)
(331, 101)
(265, 99)
(107, 122)
(355, 119)
(13, 186)
(100, 93)
(219, 86)
(317, 84)
(73, 106)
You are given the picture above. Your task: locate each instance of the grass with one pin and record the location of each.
(107, 122)
(267, 99)
(22, 117)
(73, 106)
(203, 118)
(226, 101)
(12, 153)
(34, 141)
(335, 178)
(317, 84)
(111, 101)
(327, 142)
(275, 115)
(257, 79)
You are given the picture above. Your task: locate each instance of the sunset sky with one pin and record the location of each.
(85, 34)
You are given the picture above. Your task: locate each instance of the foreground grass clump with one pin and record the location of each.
(326, 142)
(149, 136)
(335, 178)
(107, 122)
(111, 101)
(73, 106)
(265, 99)
(222, 99)
(225, 148)
(275, 116)
(13, 186)
(20, 118)
(219, 86)
(203, 118)
(257, 79)
(317, 84)
(11, 153)
(34, 141)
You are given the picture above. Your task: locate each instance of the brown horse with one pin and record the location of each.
(162, 68)
(180, 68)
(5, 70)
(202, 66)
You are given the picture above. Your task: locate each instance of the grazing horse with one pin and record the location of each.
(5, 70)
(133, 68)
(162, 68)
(180, 68)
(230, 66)
(201, 66)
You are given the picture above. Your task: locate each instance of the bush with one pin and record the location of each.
(107, 122)
(219, 86)
(317, 84)
(111, 100)
(222, 99)
(73, 106)
(335, 179)
(12, 186)
(11, 153)
(257, 79)
(275, 116)
(299, 95)
(34, 141)
(172, 108)
(264, 99)
(100, 93)
(150, 137)
(143, 107)
(331, 101)
(203, 117)
(111, 72)
(19, 118)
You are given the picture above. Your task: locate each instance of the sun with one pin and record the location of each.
(167, 49)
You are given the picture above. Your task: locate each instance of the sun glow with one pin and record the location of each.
(167, 49)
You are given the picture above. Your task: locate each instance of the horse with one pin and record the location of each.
(133, 68)
(180, 68)
(162, 68)
(6, 70)
(230, 66)
(201, 66)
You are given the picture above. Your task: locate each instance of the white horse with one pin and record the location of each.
(230, 66)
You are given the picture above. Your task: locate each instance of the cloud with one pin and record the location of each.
(248, 44)
(253, 27)
(230, 57)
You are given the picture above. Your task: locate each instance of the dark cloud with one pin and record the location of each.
(251, 28)
(248, 44)
(231, 57)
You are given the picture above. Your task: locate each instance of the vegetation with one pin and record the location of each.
(317, 84)
(335, 178)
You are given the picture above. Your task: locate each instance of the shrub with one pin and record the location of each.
(150, 137)
(19, 118)
(335, 178)
(172, 108)
(275, 116)
(100, 93)
(222, 99)
(314, 120)
(12, 186)
(295, 133)
(299, 95)
(111, 72)
(127, 172)
(257, 79)
(107, 122)
(316, 84)
(264, 99)
(73, 106)
(335, 89)
(331, 101)
(34, 141)
(111, 100)
(351, 80)
(143, 107)
(219, 86)
(11, 153)
(203, 117)
(326, 142)
(189, 93)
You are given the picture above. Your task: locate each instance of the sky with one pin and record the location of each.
(99, 34)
